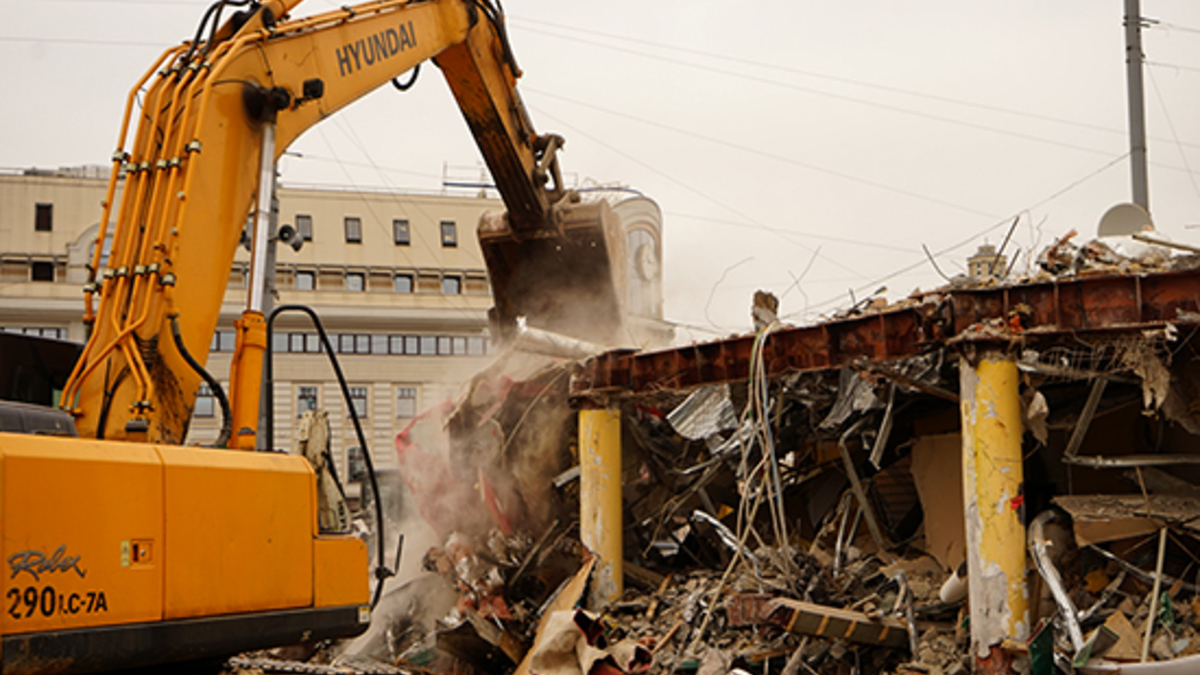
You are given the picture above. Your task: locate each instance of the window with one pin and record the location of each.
(105, 252)
(42, 271)
(306, 281)
(451, 285)
(404, 283)
(312, 344)
(358, 399)
(412, 344)
(279, 342)
(44, 220)
(353, 230)
(296, 342)
(428, 345)
(356, 465)
(362, 344)
(449, 234)
(355, 281)
(306, 399)
(396, 344)
(400, 232)
(379, 344)
(345, 343)
(57, 333)
(204, 402)
(223, 341)
(444, 346)
(406, 401)
(304, 226)
(476, 346)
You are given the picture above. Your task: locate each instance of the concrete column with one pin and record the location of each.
(600, 501)
(993, 493)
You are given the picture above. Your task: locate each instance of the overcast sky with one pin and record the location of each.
(819, 142)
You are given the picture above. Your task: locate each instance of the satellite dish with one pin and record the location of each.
(1124, 220)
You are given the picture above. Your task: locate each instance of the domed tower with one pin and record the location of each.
(641, 222)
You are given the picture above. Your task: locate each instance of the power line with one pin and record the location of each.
(1173, 26)
(1172, 66)
(904, 270)
(700, 193)
(155, 3)
(769, 155)
(786, 232)
(81, 41)
(821, 76)
(1171, 125)
(839, 97)
(462, 307)
(361, 165)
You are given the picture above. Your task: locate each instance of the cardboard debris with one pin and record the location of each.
(937, 472)
(1129, 642)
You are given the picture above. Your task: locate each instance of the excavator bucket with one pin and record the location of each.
(568, 280)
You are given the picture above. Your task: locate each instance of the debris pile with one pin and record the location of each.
(808, 516)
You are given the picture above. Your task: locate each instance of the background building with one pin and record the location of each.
(397, 278)
(985, 264)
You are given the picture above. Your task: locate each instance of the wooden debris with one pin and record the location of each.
(806, 618)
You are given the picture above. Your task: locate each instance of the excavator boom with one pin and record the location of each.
(192, 176)
(126, 549)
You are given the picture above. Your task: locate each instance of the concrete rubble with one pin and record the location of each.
(793, 501)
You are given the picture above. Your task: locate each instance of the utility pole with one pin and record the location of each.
(1137, 107)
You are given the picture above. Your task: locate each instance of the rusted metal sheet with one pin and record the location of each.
(1111, 303)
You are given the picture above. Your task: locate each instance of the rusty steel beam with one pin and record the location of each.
(1100, 303)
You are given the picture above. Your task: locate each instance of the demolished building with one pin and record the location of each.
(988, 477)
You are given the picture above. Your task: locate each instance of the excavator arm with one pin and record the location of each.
(214, 118)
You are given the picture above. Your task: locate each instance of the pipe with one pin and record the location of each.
(993, 495)
(841, 536)
(954, 589)
(1153, 616)
(1041, 558)
(856, 485)
(538, 341)
(600, 501)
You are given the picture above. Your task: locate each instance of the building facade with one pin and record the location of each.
(397, 278)
(986, 264)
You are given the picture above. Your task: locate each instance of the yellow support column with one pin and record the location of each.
(600, 501)
(993, 492)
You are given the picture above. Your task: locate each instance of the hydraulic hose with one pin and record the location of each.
(405, 86)
(381, 571)
(219, 392)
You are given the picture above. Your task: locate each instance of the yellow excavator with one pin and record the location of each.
(125, 548)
